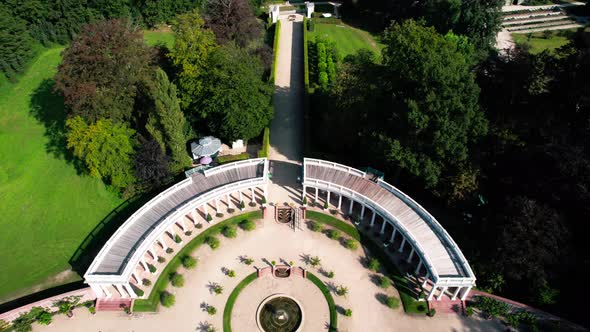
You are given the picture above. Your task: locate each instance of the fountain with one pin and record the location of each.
(279, 313)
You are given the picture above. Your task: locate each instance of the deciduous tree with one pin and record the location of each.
(233, 20)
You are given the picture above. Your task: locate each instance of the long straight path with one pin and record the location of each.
(286, 130)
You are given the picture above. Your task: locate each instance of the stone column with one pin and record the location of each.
(456, 293)
(328, 199)
(240, 193)
(216, 205)
(362, 211)
(339, 201)
(205, 209)
(97, 290)
(183, 224)
(252, 194)
(163, 242)
(105, 289)
(392, 238)
(442, 292)
(316, 194)
(351, 206)
(194, 217)
(228, 199)
(130, 291)
(401, 247)
(121, 290)
(382, 226)
(417, 271)
(303, 193)
(465, 293)
(425, 278)
(411, 256)
(373, 218)
(432, 291)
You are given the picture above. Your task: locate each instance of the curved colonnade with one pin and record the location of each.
(444, 264)
(126, 256)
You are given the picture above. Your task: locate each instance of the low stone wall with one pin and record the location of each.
(86, 295)
(295, 271)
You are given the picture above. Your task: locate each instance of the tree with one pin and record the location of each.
(159, 11)
(166, 123)
(105, 147)
(192, 46)
(236, 101)
(16, 44)
(233, 20)
(100, 71)
(434, 113)
(151, 164)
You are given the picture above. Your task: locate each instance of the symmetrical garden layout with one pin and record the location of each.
(128, 254)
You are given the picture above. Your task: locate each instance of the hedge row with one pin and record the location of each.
(305, 56)
(411, 304)
(230, 158)
(151, 303)
(263, 152)
(275, 50)
(331, 305)
(327, 20)
(229, 305)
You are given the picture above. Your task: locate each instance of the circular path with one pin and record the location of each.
(270, 241)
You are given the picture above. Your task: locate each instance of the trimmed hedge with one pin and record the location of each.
(331, 305)
(275, 50)
(151, 303)
(229, 158)
(411, 304)
(327, 20)
(263, 152)
(229, 305)
(305, 55)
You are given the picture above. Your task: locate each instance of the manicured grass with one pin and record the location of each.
(411, 304)
(154, 37)
(152, 302)
(275, 50)
(348, 39)
(539, 43)
(229, 305)
(331, 305)
(47, 208)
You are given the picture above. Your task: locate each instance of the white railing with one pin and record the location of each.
(169, 220)
(433, 222)
(340, 167)
(430, 219)
(234, 165)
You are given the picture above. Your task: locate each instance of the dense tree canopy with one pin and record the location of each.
(151, 165)
(105, 147)
(233, 20)
(16, 44)
(236, 101)
(100, 71)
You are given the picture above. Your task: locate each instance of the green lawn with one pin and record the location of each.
(347, 39)
(155, 37)
(47, 208)
(538, 42)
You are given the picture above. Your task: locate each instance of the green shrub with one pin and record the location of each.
(211, 310)
(326, 205)
(333, 234)
(304, 200)
(189, 262)
(314, 226)
(374, 264)
(209, 218)
(242, 205)
(351, 244)
(491, 307)
(327, 20)
(138, 291)
(218, 289)
(431, 312)
(248, 261)
(392, 302)
(384, 282)
(169, 250)
(230, 231)
(152, 268)
(213, 242)
(341, 290)
(198, 225)
(44, 318)
(275, 50)
(330, 274)
(231, 158)
(219, 215)
(231, 273)
(177, 280)
(146, 282)
(161, 259)
(91, 310)
(167, 299)
(177, 238)
(231, 210)
(263, 152)
(348, 313)
(188, 233)
(247, 225)
(469, 311)
(315, 261)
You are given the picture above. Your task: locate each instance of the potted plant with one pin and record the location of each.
(326, 205)
(242, 206)
(304, 202)
(263, 202)
(67, 305)
(177, 239)
(209, 218)
(152, 269)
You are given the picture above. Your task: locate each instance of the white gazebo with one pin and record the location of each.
(207, 146)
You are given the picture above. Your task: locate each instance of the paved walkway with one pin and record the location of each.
(271, 241)
(286, 130)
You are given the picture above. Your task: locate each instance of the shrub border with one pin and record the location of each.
(233, 157)
(275, 49)
(229, 305)
(263, 152)
(401, 283)
(331, 304)
(153, 301)
(305, 55)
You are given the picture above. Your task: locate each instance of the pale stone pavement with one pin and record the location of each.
(286, 130)
(270, 241)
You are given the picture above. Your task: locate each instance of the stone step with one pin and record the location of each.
(546, 13)
(533, 20)
(113, 304)
(542, 25)
(559, 27)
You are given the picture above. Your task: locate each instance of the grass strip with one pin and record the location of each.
(229, 305)
(331, 305)
(275, 49)
(152, 302)
(411, 304)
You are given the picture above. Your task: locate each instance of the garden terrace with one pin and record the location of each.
(160, 219)
(437, 252)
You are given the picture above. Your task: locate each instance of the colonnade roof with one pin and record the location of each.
(441, 252)
(113, 257)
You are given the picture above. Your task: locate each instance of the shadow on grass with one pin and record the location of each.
(17, 303)
(48, 107)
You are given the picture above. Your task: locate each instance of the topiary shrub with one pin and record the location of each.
(198, 225)
(188, 262)
(138, 291)
(211, 310)
(161, 259)
(384, 282)
(330, 274)
(392, 302)
(209, 218)
(326, 206)
(315, 226)
(231, 273)
(248, 261)
(167, 299)
(231, 210)
(304, 200)
(44, 318)
(230, 231)
(219, 215)
(177, 238)
(348, 313)
(333, 234)
(188, 233)
(374, 264)
(217, 289)
(351, 244)
(247, 225)
(177, 279)
(431, 312)
(242, 205)
(146, 282)
(152, 268)
(213, 242)
(169, 250)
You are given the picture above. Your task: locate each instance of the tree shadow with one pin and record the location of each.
(48, 108)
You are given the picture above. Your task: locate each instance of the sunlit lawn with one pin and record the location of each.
(348, 39)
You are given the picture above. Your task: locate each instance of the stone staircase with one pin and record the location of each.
(540, 20)
(447, 306)
(117, 304)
